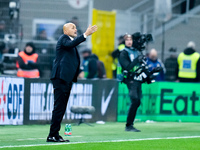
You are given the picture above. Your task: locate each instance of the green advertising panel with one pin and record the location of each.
(163, 101)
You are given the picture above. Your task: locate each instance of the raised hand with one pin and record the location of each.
(90, 30)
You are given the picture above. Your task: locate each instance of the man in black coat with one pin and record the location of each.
(64, 72)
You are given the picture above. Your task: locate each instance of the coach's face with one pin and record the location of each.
(70, 29)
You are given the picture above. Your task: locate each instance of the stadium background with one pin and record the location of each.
(169, 112)
(23, 23)
(30, 101)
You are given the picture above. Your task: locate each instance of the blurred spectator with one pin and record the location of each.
(3, 49)
(85, 54)
(89, 65)
(2, 29)
(42, 35)
(27, 62)
(188, 69)
(42, 46)
(115, 54)
(59, 30)
(101, 71)
(170, 65)
(92, 66)
(46, 51)
(153, 62)
(8, 56)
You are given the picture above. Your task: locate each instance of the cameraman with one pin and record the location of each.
(130, 59)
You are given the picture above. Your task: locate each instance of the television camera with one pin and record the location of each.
(142, 73)
(139, 40)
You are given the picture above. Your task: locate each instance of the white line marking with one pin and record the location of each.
(43, 138)
(127, 140)
(30, 139)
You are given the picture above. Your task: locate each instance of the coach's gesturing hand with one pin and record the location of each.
(90, 30)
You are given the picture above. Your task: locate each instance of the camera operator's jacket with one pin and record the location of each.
(128, 61)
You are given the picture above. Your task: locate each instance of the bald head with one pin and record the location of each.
(70, 29)
(153, 54)
(191, 44)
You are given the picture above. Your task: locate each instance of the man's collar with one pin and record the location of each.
(71, 38)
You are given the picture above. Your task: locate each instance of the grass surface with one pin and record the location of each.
(154, 136)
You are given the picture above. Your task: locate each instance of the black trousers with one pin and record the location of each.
(61, 95)
(135, 93)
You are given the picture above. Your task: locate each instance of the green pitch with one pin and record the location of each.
(154, 136)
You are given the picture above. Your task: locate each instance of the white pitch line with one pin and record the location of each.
(127, 140)
(30, 139)
(43, 138)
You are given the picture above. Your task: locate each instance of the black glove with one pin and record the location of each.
(33, 65)
(157, 69)
(141, 58)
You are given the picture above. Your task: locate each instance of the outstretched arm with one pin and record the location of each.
(72, 43)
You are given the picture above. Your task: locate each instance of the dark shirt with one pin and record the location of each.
(171, 67)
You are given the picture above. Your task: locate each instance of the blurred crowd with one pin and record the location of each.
(38, 54)
(183, 67)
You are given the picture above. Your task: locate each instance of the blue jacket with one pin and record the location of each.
(153, 64)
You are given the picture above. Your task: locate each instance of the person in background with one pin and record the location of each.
(43, 46)
(89, 65)
(188, 69)
(42, 35)
(101, 71)
(85, 54)
(27, 62)
(3, 49)
(2, 29)
(46, 51)
(153, 62)
(115, 55)
(92, 66)
(170, 65)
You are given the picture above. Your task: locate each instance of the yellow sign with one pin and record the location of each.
(103, 41)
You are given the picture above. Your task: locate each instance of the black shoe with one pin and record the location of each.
(62, 140)
(52, 139)
(132, 129)
(56, 139)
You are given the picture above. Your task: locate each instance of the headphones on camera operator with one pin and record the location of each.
(139, 73)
